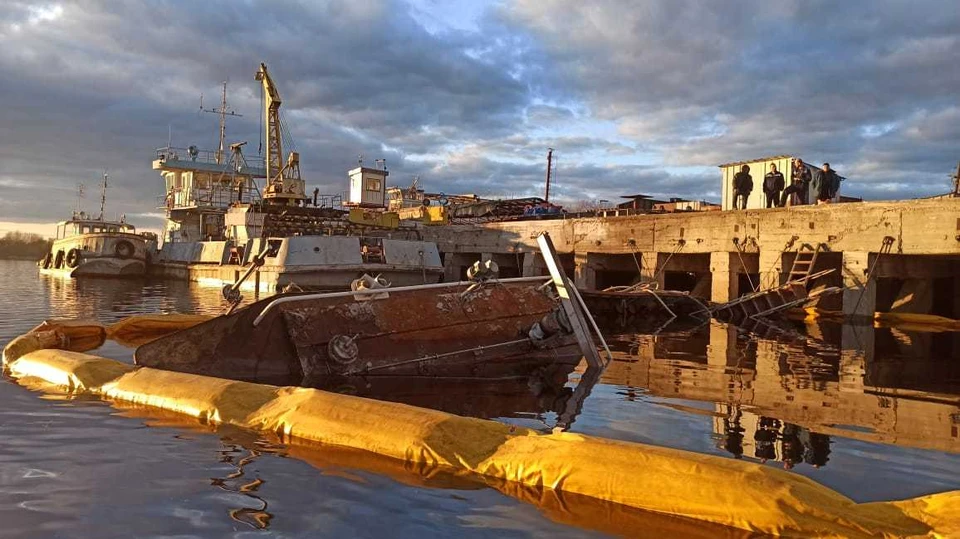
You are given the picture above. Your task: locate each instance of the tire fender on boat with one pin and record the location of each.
(73, 258)
(124, 249)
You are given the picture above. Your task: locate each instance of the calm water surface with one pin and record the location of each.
(872, 414)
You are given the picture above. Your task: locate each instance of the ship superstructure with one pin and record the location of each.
(219, 220)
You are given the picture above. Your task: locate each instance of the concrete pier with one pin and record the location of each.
(722, 255)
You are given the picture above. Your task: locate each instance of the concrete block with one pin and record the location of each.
(585, 274)
(770, 268)
(860, 292)
(725, 281)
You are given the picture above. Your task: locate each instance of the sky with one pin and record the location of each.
(635, 96)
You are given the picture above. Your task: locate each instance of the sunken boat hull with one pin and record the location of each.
(455, 329)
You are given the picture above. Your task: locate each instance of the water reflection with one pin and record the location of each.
(796, 394)
(237, 482)
(242, 449)
(545, 393)
(780, 394)
(769, 439)
(111, 299)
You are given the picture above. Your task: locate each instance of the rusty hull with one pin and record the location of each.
(445, 332)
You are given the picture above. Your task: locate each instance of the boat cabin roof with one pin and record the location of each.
(77, 226)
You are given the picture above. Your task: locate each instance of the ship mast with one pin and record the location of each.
(103, 195)
(80, 187)
(223, 112)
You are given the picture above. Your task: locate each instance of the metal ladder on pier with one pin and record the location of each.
(804, 262)
(793, 293)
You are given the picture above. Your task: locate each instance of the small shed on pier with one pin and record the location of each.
(758, 168)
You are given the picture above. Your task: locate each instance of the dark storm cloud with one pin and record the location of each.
(97, 85)
(869, 86)
(709, 82)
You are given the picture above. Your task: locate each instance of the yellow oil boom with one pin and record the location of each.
(284, 185)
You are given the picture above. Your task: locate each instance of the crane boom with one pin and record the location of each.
(283, 180)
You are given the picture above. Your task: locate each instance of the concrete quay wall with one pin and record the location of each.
(721, 255)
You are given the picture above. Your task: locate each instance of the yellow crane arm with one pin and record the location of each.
(271, 122)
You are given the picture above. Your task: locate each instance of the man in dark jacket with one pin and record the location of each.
(742, 186)
(799, 185)
(772, 185)
(826, 184)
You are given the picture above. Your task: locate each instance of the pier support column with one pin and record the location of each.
(726, 281)
(585, 272)
(859, 295)
(770, 269)
(722, 350)
(856, 349)
(454, 264)
(451, 268)
(649, 266)
(531, 265)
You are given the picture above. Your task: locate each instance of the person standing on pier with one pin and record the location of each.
(799, 185)
(772, 186)
(742, 186)
(826, 184)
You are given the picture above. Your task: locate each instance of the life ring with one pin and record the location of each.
(73, 258)
(123, 249)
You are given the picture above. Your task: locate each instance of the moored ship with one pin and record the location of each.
(88, 246)
(219, 220)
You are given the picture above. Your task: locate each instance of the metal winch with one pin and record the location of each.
(552, 324)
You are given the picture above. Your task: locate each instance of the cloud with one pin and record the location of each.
(634, 96)
(98, 85)
(709, 82)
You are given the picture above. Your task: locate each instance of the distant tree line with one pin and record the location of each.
(22, 245)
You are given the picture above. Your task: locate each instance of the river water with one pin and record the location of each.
(872, 413)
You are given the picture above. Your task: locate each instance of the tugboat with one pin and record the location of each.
(88, 246)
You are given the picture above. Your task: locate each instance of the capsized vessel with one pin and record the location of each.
(484, 328)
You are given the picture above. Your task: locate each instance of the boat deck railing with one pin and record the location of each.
(254, 166)
(215, 196)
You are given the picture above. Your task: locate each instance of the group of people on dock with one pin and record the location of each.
(825, 183)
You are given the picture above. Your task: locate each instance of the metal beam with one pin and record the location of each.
(568, 301)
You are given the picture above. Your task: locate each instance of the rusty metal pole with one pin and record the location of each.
(956, 182)
(572, 305)
(546, 197)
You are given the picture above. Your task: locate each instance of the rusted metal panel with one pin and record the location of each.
(449, 331)
(396, 333)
